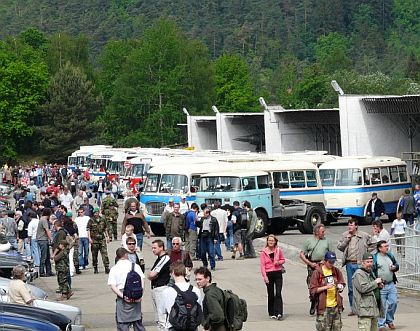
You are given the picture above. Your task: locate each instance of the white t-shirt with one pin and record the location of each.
(399, 226)
(222, 218)
(66, 200)
(169, 295)
(32, 228)
(118, 273)
(81, 222)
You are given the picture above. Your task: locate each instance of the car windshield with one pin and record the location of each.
(177, 184)
(220, 184)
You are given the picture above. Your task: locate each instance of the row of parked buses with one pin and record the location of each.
(286, 190)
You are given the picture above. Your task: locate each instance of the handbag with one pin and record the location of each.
(283, 269)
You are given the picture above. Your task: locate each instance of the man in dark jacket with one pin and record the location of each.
(408, 207)
(208, 234)
(375, 207)
(213, 305)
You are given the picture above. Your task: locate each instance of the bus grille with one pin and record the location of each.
(155, 208)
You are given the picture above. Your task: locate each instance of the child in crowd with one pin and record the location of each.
(398, 230)
(129, 233)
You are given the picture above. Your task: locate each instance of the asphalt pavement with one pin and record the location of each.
(97, 301)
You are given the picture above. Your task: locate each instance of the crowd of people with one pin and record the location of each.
(45, 230)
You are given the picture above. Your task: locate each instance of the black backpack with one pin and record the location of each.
(133, 289)
(243, 222)
(236, 311)
(186, 313)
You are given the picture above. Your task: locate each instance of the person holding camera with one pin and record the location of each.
(366, 295)
(385, 266)
(312, 253)
(326, 284)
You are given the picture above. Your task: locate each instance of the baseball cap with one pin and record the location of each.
(183, 196)
(171, 200)
(367, 256)
(69, 214)
(330, 256)
(96, 210)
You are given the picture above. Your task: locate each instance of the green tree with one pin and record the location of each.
(69, 113)
(331, 52)
(63, 48)
(112, 61)
(23, 84)
(165, 73)
(234, 91)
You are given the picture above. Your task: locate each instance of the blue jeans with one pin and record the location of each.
(350, 270)
(83, 252)
(99, 198)
(139, 237)
(44, 261)
(36, 254)
(207, 247)
(39, 181)
(229, 239)
(389, 301)
(168, 244)
(217, 247)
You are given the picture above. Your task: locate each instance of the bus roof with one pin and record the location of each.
(274, 165)
(188, 168)
(234, 173)
(362, 162)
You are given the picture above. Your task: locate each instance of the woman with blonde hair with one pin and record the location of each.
(272, 260)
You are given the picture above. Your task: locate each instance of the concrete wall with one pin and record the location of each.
(370, 134)
(202, 132)
(299, 130)
(240, 131)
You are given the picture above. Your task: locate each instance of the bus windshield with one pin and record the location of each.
(177, 184)
(136, 170)
(327, 177)
(116, 166)
(349, 177)
(220, 184)
(152, 183)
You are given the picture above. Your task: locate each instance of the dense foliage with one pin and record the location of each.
(138, 63)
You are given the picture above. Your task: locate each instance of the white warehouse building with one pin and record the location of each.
(362, 125)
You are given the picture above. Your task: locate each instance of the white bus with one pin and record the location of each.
(348, 184)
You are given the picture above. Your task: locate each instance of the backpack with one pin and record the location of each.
(236, 312)
(186, 313)
(243, 222)
(133, 289)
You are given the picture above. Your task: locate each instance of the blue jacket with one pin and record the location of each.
(394, 262)
(190, 217)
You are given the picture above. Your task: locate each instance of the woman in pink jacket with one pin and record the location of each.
(272, 260)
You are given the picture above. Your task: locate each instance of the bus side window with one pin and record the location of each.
(297, 179)
(403, 173)
(281, 179)
(393, 171)
(311, 178)
(366, 176)
(384, 175)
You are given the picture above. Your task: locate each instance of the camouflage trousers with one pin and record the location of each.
(63, 282)
(76, 255)
(367, 324)
(113, 230)
(99, 247)
(329, 321)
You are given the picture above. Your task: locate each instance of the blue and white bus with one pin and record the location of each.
(348, 184)
(172, 180)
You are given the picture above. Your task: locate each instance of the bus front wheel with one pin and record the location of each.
(262, 224)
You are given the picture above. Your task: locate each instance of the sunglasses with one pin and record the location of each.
(175, 244)
(131, 243)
